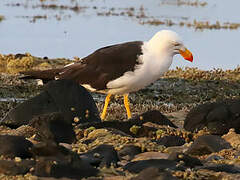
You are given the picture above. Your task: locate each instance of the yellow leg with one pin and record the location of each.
(104, 112)
(126, 104)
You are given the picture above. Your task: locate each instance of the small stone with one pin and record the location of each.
(40, 82)
(96, 155)
(31, 169)
(180, 156)
(76, 120)
(28, 54)
(76, 58)
(134, 129)
(17, 159)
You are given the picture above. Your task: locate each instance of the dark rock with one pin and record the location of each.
(129, 151)
(12, 146)
(217, 117)
(87, 141)
(66, 145)
(124, 126)
(64, 96)
(154, 116)
(23, 113)
(103, 155)
(189, 161)
(53, 160)
(207, 144)
(175, 149)
(20, 56)
(169, 141)
(53, 127)
(137, 166)
(228, 168)
(11, 167)
(49, 148)
(154, 174)
(71, 168)
(146, 130)
(73, 100)
(150, 155)
(213, 157)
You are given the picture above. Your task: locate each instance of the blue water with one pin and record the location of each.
(79, 34)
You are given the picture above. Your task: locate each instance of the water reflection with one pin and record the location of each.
(12, 99)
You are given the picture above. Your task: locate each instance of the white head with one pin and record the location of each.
(170, 43)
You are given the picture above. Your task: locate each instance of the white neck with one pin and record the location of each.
(160, 59)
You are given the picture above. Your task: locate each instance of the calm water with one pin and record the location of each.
(78, 34)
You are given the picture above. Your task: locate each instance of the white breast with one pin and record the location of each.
(152, 67)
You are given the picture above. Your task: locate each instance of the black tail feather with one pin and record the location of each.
(45, 75)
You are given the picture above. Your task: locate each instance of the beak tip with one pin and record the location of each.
(187, 55)
(190, 59)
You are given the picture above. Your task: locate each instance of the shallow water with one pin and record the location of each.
(80, 33)
(12, 99)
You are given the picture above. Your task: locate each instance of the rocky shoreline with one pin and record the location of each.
(185, 126)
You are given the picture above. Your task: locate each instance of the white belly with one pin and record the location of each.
(142, 76)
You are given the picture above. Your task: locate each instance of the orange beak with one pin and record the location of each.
(186, 55)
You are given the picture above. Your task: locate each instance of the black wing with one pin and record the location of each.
(104, 65)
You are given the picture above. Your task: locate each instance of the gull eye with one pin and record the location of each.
(176, 44)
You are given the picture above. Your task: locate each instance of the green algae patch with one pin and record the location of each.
(134, 129)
